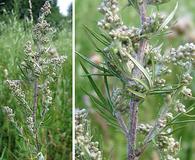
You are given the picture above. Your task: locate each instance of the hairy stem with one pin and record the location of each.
(143, 43)
(133, 105)
(35, 105)
(122, 123)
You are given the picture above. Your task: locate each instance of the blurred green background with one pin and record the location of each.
(183, 30)
(15, 31)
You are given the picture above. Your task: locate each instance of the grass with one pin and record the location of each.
(112, 141)
(57, 131)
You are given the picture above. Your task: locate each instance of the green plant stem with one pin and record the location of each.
(134, 103)
(35, 113)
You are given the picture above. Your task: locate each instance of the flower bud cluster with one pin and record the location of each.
(182, 56)
(84, 145)
(160, 82)
(152, 24)
(186, 91)
(46, 9)
(179, 107)
(162, 122)
(120, 100)
(10, 114)
(165, 70)
(42, 31)
(110, 10)
(124, 33)
(168, 146)
(124, 38)
(144, 128)
(30, 63)
(46, 97)
(15, 87)
(36, 63)
(56, 60)
(30, 124)
(187, 78)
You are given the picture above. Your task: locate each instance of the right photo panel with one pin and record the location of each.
(134, 88)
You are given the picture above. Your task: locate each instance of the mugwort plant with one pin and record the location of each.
(33, 94)
(142, 70)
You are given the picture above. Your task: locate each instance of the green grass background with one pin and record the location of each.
(112, 141)
(56, 135)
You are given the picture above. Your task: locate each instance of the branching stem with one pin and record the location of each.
(133, 105)
(35, 105)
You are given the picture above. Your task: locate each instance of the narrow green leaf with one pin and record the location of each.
(96, 100)
(97, 74)
(133, 3)
(162, 91)
(92, 63)
(141, 82)
(142, 69)
(180, 114)
(175, 130)
(169, 18)
(91, 37)
(97, 36)
(138, 94)
(108, 93)
(99, 94)
(103, 111)
(181, 122)
(97, 66)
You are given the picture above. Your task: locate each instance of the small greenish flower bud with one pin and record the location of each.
(160, 82)
(187, 78)
(169, 116)
(46, 9)
(187, 91)
(144, 128)
(179, 107)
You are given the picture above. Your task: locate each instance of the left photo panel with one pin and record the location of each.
(36, 80)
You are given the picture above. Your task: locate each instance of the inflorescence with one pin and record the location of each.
(85, 147)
